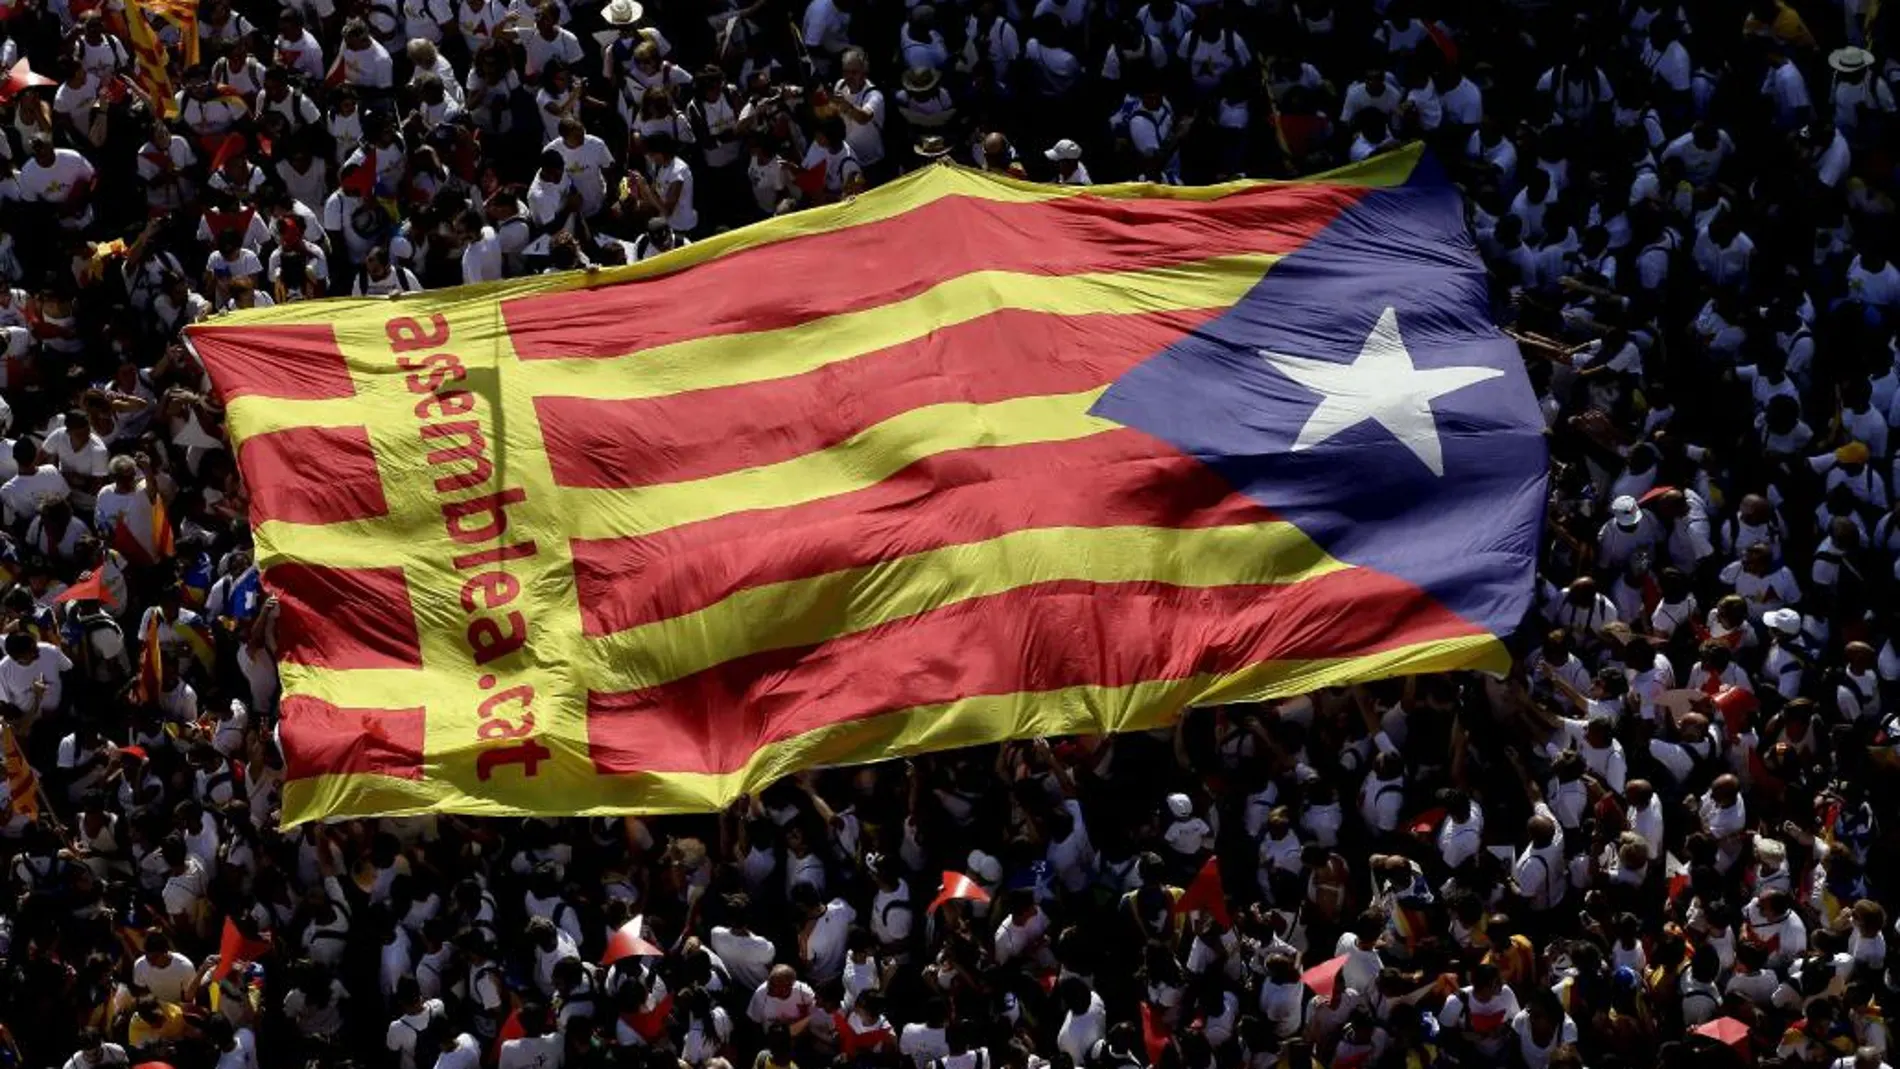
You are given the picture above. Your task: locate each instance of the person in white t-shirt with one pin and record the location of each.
(366, 63)
(418, 1015)
(95, 1053)
(588, 163)
(481, 248)
(160, 972)
(822, 939)
(669, 188)
(30, 675)
(782, 999)
(59, 177)
(540, 1048)
(1480, 1015)
(747, 955)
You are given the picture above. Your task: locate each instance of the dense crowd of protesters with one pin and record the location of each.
(1659, 840)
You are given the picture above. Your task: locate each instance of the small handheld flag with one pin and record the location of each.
(90, 587)
(957, 885)
(1205, 894)
(626, 942)
(234, 946)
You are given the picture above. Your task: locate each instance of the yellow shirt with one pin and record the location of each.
(170, 1026)
(1787, 27)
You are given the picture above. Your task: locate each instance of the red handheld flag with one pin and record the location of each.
(1321, 978)
(1154, 1035)
(510, 1029)
(20, 77)
(957, 885)
(811, 180)
(230, 147)
(90, 588)
(1727, 1031)
(1205, 894)
(234, 946)
(627, 943)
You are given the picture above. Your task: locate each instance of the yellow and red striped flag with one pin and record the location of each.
(960, 460)
(23, 784)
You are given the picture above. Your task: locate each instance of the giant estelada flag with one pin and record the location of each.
(962, 460)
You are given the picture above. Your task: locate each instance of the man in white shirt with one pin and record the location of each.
(826, 27)
(1085, 1023)
(822, 939)
(416, 1017)
(95, 1053)
(481, 248)
(59, 177)
(81, 456)
(1461, 835)
(748, 955)
(163, 974)
(782, 999)
(30, 676)
(1024, 932)
(587, 163)
(539, 1049)
(550, 41)
(366, 63)
(1539, 870)
(862, 105)
(554, 202)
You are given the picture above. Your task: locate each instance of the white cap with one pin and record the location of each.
(1181, 806)
(985, 868)
(1786, 621)
(1064, 149)
(1626, 511)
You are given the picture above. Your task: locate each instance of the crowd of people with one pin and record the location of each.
(1657, 841)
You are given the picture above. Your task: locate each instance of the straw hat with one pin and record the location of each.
(622, 12)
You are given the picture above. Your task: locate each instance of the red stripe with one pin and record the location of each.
(820, 275)
(1118, 478)
(312, 475)
(321, 739)
(344, 617)
(1054, 635)
(627, 443)
(294, 363)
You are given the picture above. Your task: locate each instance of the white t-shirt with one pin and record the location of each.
(587, 165)
(166, 984)
(748, 957)
(766, 1008)
(405, 1030)
(684, 217)
(16, 679)
(533, 1052)
(55, 184)
(827, 939)
(243, 1052)
(481, 258)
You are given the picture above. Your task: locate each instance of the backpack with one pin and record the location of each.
(428, 1046)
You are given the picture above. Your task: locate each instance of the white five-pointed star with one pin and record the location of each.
(1382, 386)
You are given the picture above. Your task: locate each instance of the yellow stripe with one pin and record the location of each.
(861, 461)
(907, 194)
(759, 356)
(805, 612)
(973, 721)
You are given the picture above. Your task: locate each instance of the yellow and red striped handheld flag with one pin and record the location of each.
(963, 459)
